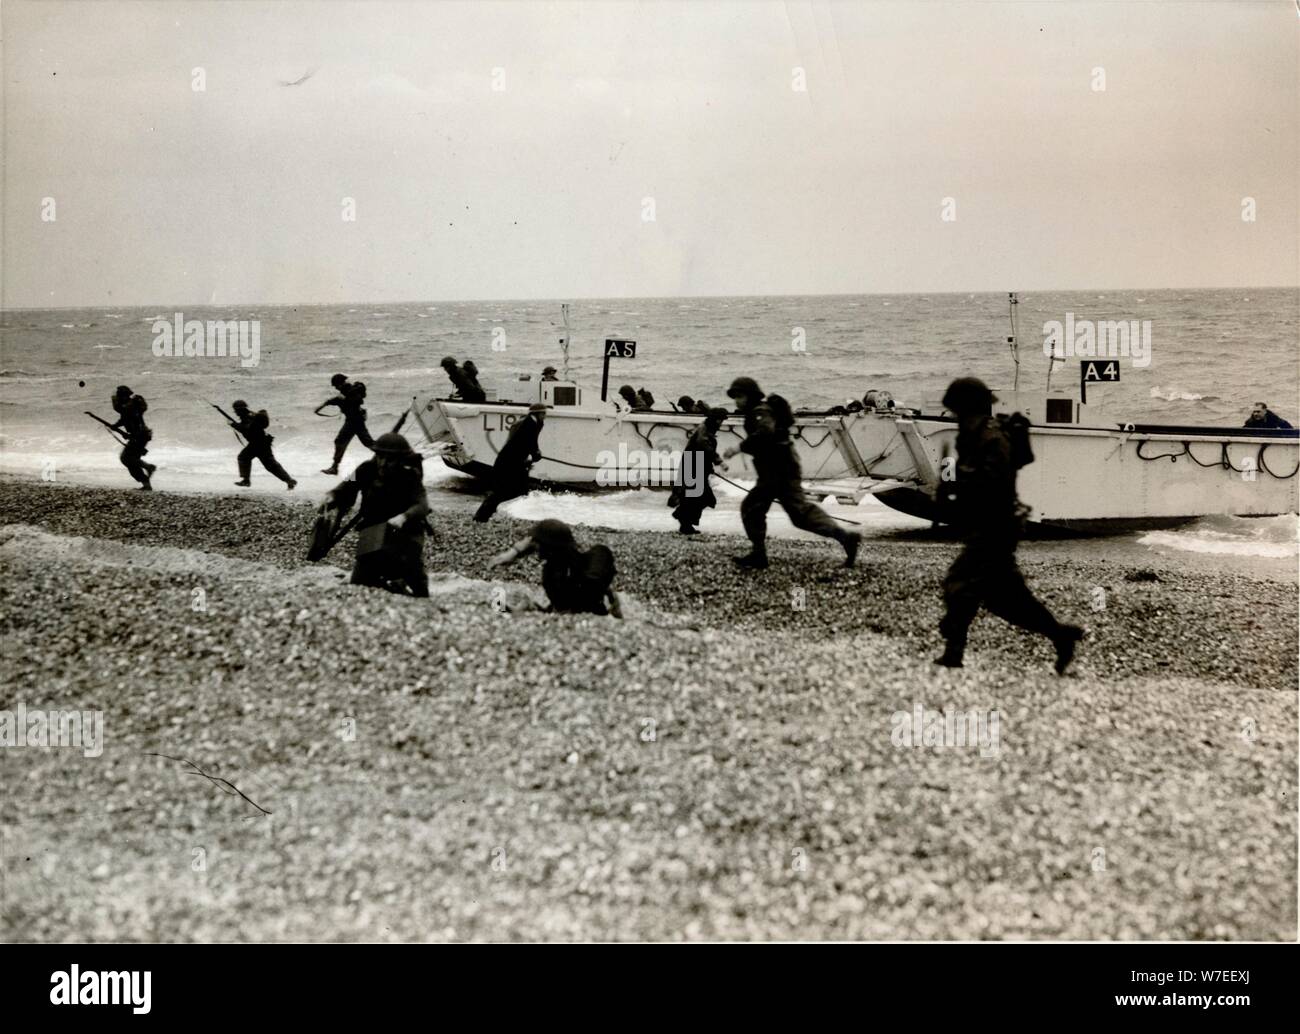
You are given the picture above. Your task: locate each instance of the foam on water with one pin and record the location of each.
(1273, 537)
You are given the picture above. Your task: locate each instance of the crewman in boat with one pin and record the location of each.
(692, 491)
(1262, 416)
(576, 581)
(548, 374)
(130, 409)
(702, 407)
(349, 402)
(982, 502)
(510, 471)
(253, 426)
(467, 387)
(686, 404)
(471, 379)
(646, 399)
(394, 505)
(780, 479)
(634, 402)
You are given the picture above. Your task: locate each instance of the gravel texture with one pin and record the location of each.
(719, 765)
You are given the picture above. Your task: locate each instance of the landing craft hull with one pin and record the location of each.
(1084, 479)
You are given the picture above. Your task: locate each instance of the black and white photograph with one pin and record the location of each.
(552, 472)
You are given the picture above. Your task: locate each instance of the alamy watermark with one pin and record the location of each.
(1098, 339)
(24, 728)
(947, 729)
(641, 468)
(240, 339)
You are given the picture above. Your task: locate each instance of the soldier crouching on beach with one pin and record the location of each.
(982, 502)
(780, 480)
(130, 409)
(576, 581)
(390, 553)
(253, 426)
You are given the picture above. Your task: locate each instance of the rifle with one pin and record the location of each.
(229, 419)
(325, 535)
(111, 429)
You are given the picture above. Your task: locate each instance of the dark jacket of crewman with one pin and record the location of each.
(703, 442)
(521, 447)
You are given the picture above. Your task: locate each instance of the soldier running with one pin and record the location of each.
(982, 501)
(130, 409)
(780, 479)
(391, 486)
(576, 581)
(693, 493)
(253, 426)
(510, 471)
(349, 402)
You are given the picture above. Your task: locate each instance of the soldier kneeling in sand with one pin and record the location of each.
(577, 581)
(390, 549)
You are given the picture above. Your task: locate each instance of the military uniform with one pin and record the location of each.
(130, 419)
(349, 402)
(982, 503)
(385, 494)
(510, 471)
(780, 480)
(253, 426)
(579, 581)
(699, 457)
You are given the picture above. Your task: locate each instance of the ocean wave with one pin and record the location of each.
(1274, 537)
(1177, 395)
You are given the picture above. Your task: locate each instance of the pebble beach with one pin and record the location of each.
(287, 757)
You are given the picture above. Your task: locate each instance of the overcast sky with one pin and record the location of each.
(168, 195)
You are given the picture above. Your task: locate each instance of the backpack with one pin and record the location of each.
(1016, 427)
(782, 414)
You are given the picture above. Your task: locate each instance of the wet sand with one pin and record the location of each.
(723, 764)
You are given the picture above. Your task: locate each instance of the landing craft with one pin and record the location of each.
(1090, 475)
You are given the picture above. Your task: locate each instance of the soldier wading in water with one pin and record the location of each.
(780, 480)
(982, 503)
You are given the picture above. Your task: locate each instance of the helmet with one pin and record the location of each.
(746, 387)
(716, 415)
(239, 404)
(338, 379)
(448, 362)
(549, 369)
(392, 444)
(538, 407)
(122, 389)
(552, 534)
(968, 395)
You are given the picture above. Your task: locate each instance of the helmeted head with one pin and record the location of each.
(393, 450)
(240, 406)
(686, 404)
(714, 418)
(746, 392)
(969, 396)
(448, 362)
(122, 392)
(338, 380)
(549, 372)
(553, 537)
(628, 392)
(538, 410)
